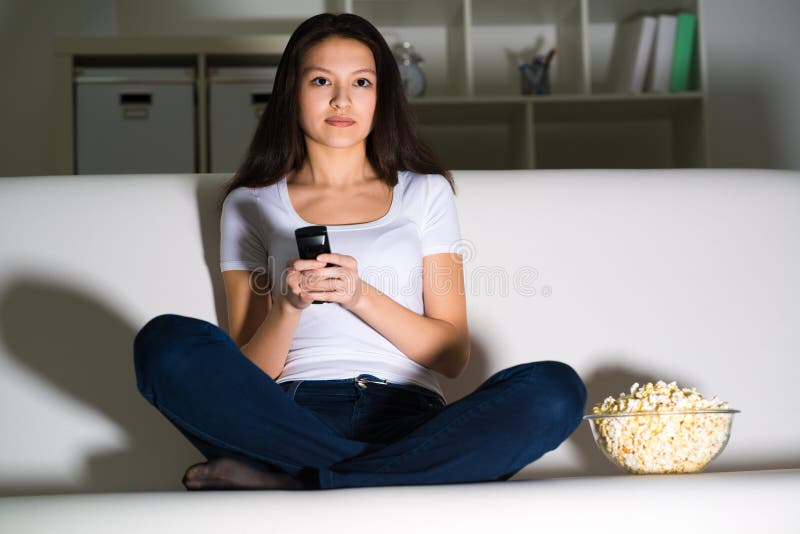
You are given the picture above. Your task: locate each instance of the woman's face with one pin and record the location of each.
(337, 78)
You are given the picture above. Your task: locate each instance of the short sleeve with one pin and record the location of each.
(440, 229)
(241, 242)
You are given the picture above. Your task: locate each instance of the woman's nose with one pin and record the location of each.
(340, 99)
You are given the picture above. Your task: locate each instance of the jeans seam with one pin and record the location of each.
(295, 387)
(442, 431)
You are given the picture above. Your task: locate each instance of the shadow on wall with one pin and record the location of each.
(84, 350)
(208, 193)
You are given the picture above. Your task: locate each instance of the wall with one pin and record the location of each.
(753, 70)
(27, 31)
(753, 80)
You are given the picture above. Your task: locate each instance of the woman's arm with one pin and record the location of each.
(269, 346)
(262, 329)
(439, 339)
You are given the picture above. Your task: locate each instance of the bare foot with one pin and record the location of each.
(229, 473)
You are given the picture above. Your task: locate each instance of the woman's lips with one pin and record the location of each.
(340, 123)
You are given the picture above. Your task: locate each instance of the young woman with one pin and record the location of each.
(344, 392)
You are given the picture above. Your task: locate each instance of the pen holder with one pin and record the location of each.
(535, 76)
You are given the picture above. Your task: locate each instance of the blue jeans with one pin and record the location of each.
(351, 432)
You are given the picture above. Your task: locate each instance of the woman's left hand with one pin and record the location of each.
(338, 283)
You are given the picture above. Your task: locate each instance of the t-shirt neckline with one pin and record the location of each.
(387, 217)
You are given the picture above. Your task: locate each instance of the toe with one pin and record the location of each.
(196, 471)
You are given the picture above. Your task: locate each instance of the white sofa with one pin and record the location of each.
(627, 275)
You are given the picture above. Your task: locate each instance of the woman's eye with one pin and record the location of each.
(357, 81)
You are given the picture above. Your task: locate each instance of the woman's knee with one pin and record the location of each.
(152, 349)
(561, 386)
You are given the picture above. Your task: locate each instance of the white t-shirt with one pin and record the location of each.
(257, 233)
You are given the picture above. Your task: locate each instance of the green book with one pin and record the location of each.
(694, 69)
(684, 56)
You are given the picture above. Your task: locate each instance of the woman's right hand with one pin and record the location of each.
(290, 285)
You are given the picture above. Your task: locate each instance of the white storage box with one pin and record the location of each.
(135, 120)
(237, 98)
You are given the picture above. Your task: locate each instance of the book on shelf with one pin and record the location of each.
(655, 52)
(685, 64)
(631, 55)
(659, 71)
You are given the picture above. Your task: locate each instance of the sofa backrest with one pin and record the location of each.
(628, 276)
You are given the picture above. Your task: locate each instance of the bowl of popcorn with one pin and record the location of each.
(661, 428)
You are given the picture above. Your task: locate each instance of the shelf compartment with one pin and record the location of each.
(652, 131)
(536, 26)
(603, 18)
(470, 135)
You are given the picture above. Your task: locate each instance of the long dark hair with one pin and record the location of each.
(278, 145)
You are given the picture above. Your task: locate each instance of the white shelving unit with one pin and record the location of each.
(473, 114)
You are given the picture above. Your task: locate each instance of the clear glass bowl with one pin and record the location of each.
(662, 442)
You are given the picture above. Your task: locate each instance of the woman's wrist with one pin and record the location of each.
(362, 297)
(285, 306)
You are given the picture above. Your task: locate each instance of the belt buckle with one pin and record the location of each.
(362, 382)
